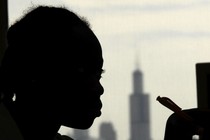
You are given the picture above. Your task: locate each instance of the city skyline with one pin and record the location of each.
(106, 132)
(170, 38)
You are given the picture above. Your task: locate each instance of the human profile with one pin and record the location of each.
(50, 73)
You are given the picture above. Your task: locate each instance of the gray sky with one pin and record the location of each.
(168, 37)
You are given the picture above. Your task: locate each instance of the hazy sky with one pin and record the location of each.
(166, 36)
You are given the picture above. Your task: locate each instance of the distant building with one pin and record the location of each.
(81, 134)
(107, 132)
(139, 110)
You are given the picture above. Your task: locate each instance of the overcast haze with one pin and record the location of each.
(166, 36)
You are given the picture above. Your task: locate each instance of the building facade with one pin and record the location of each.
(81, 134)
(107, 131)
(139, 110)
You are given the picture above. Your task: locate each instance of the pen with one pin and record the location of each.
(176, 109)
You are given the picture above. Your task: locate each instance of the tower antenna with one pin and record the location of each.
(137, 63)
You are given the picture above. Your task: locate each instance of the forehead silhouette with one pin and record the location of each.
(45, 29)
(49, 37)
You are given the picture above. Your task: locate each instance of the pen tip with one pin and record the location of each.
(158, 98)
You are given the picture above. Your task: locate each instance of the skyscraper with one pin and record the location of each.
(139, 110)
(81, 134)
(107, 131)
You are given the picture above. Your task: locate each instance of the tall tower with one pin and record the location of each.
(139, 110)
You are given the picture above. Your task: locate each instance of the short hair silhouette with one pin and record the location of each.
(53, 65)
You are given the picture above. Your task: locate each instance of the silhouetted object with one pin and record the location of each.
(107, 132)
(203, 85)
(51, 69)
(178, 128)
(139, 110)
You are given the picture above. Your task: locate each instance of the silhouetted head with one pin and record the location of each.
(53, 65)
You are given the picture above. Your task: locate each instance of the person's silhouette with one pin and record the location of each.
(50, 73)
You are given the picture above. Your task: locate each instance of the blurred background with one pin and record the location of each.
(159, 40)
